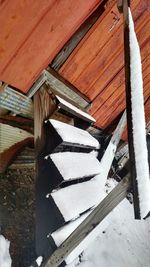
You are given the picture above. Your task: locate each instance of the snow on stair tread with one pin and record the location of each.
(75, 199)
(75, 110)
(72, 134)
(62, 233)
(72, 165)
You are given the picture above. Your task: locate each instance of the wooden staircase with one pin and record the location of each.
(66, 187)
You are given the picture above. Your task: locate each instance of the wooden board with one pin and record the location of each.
(33, 32)
(96, 66)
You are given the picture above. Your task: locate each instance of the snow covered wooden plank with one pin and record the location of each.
(136, 118)
(69, 135)
(89, 224)
(65, 105)
(63, 233)
(75, 199)
(73, 165)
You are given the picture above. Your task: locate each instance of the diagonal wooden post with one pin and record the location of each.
(89, 224)
(126, 6)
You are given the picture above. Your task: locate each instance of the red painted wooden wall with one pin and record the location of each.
(32, 33)
(96, 66)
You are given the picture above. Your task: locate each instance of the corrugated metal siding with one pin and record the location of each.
(14, 101)
(33, 32)
(96, 65)
(11, 135)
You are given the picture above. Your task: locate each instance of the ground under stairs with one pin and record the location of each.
(67, 184)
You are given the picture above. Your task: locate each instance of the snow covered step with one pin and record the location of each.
(62, 233)
(73, 165)
(74, 200)
(72, 109)
(59, 133)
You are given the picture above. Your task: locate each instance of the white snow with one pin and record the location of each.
(62, 233)
(138, 118)
(119, 241)
(75, 109)
(74, 165)
(77, 198)
(5, 259)
(39, 260)
(72, 134)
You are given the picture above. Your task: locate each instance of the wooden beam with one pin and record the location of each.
(89, 224)
(129, 109)
(44, 107)
(59, 84)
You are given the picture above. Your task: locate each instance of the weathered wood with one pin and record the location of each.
(44, 107)
(88, 225)
(76, 38)
(73, 110)
(60, 85)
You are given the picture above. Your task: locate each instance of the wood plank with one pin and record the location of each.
(111, 62)
(128, 71)
(106, 102)
(18, 20)
(53, 31)
(62, 87)
(88, 225)
(84, 53)
(119, 107)
(84, 75)
(44, 107)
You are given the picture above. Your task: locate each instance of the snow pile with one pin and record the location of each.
(74, 165)
(62, 233)
(39, 260)
(75, 109)
(123, 242)
(77, 198)
(138, 118)
(5, 259)
(72, 134)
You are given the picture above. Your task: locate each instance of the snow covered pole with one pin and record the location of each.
(135, 116)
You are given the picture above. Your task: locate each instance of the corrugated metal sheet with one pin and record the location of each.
(12, 141)
(14, 101)
(11, 135)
